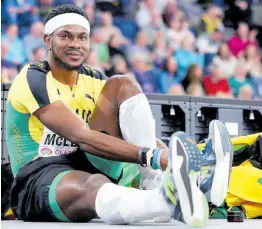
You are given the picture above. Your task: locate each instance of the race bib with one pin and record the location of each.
(53, 144)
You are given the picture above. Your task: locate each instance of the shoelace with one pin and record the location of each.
(159, 177)
(199, 178)
(202, 174)
(204, 149)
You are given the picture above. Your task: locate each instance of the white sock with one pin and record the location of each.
(121, 205)
(138, 127)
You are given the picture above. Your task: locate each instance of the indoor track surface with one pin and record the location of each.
(96, 224)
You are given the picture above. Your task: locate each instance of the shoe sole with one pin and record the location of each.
(193, 203)
(223, 149)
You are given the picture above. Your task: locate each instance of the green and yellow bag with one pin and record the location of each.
(245, 187)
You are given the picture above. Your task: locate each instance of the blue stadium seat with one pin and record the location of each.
(127, 26)
(126, 2)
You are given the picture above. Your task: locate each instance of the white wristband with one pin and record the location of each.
(149, 156)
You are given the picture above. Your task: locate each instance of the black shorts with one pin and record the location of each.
(33, 193)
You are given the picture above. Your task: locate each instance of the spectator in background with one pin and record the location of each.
(225, 60)
(22, 12)
(211, 20)
(144, 13)
(254, 67)
(253, 61)
(182, 9)
(161, 52)
(176, 33)
(161, 5)
(215, 83)
(195, 90)
(167, 77)
(99, 44)
(194, 76)
(156, 26)
(209, 42)
(186, 56)
(5, 15)
(34, 39)
(114, 45)
(4, 76)
(45, 7)
(16, 51)
(90, 10)
(239, 79)
(119, 66)
(242, 39)
(145, 75)
(140, 46)
(240, 11)
(39, 54)
(8, 69)
(112, 6)
(93, 61)
(170, 11)
(4, 51)
(62, 2)
(192, 11)
(246, 92)
(82, 3)
(176, 89)
(109, 29)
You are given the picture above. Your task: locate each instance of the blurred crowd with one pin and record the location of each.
(175, 47)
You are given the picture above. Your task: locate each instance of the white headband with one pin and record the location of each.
(66, 19)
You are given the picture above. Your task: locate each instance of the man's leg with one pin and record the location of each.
(81, 196)
(118, 92)
(120, 205)
(76, 193)
(136, 126)
(123, 111)
(121, 101)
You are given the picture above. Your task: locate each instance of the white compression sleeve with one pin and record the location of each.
(121, 205)
(138, 127)
(136, 121)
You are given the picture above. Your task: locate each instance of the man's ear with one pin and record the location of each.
(47, 39)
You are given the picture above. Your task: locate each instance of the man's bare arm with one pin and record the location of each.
(62, 120)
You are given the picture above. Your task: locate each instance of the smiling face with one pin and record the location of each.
(69, 46)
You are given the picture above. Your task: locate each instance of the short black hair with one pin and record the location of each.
(63, 9)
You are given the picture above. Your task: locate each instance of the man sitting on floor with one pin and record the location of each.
(69, 128)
